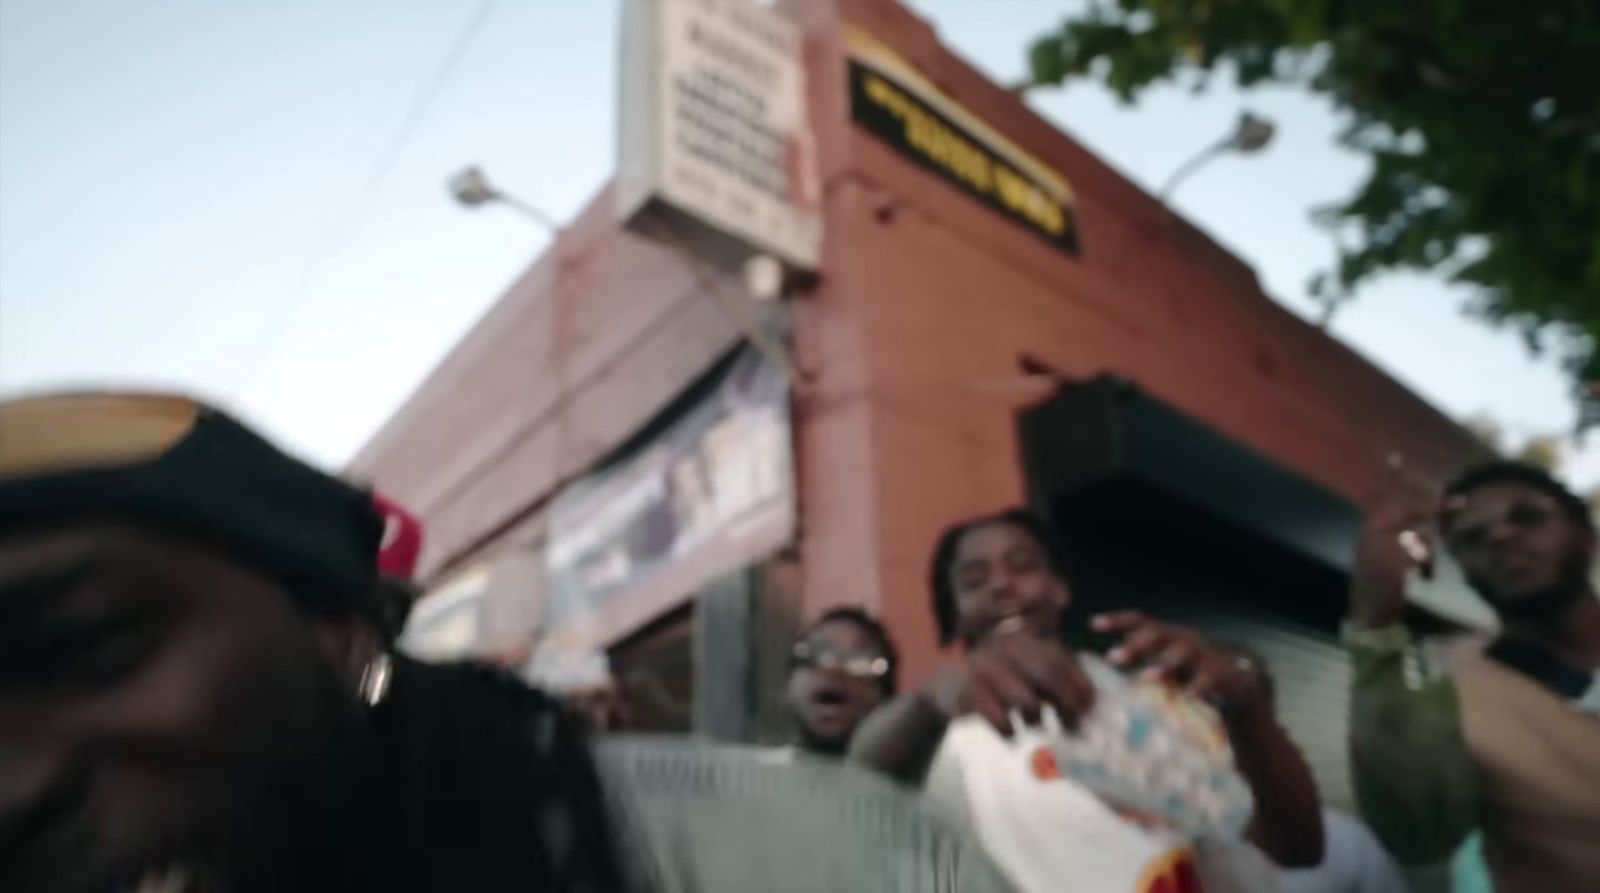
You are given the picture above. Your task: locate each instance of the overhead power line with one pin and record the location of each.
(339, 234)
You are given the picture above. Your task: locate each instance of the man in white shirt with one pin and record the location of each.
(1000, 591)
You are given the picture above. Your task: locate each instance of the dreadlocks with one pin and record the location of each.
(944, 559)
(497, 787)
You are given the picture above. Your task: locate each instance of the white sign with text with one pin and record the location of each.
(713, 124)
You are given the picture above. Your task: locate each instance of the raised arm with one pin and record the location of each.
(1009, 674)
(1413, 777)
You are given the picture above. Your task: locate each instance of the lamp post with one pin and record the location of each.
(1252, 134)
(472, 190)
(763, 275)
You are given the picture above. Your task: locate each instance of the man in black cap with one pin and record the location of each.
(195, 695)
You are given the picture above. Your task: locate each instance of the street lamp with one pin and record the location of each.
(1252, 134)
(472, 190)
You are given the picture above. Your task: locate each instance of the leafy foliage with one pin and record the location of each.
(1481, 118)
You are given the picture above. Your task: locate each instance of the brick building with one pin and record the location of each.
(1206, 451)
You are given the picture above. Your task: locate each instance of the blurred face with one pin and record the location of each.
(833, 686)
(1003, 582)
(160, 708)
(1518, 549)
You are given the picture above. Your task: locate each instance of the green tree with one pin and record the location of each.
(1481, 118)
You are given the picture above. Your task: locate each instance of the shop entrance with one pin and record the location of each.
(1243, 555)
(1134, 547)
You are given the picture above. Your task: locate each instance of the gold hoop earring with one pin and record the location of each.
(375, 679)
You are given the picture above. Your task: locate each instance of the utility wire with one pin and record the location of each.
(348, 222)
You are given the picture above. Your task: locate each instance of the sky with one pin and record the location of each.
(247, 200)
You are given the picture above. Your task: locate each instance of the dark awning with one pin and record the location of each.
(1107, 430)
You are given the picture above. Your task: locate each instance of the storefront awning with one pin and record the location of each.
(1107, 428)
(1106, 434)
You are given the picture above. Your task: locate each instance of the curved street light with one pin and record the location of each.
(1252, 134)
(472, 190)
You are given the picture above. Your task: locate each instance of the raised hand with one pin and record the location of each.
(1185, 658)
(1017, 672)
(1394, 540)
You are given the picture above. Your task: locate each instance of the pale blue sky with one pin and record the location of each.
(215, 196)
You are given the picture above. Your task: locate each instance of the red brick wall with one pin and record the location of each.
(945, 296)
(912, 338)
(598, 336)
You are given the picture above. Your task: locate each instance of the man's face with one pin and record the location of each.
(1517, 547)
(829, 701)
(157, 704)
(1003, 579)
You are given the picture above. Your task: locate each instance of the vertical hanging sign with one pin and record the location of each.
(714, 136)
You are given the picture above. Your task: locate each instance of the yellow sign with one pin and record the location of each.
(890, 99)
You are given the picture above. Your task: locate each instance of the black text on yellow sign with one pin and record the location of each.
(935, 142)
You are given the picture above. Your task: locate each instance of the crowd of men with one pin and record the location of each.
(199, 692)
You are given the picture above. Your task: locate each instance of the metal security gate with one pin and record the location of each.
(1131, 548)
(1311, 676)
(1161, 511)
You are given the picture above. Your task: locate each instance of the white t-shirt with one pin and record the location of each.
(1051, 834)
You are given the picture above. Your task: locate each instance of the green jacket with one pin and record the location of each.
(1415, 781)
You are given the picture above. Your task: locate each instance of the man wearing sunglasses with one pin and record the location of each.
(1509, 742)
(842, 667)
